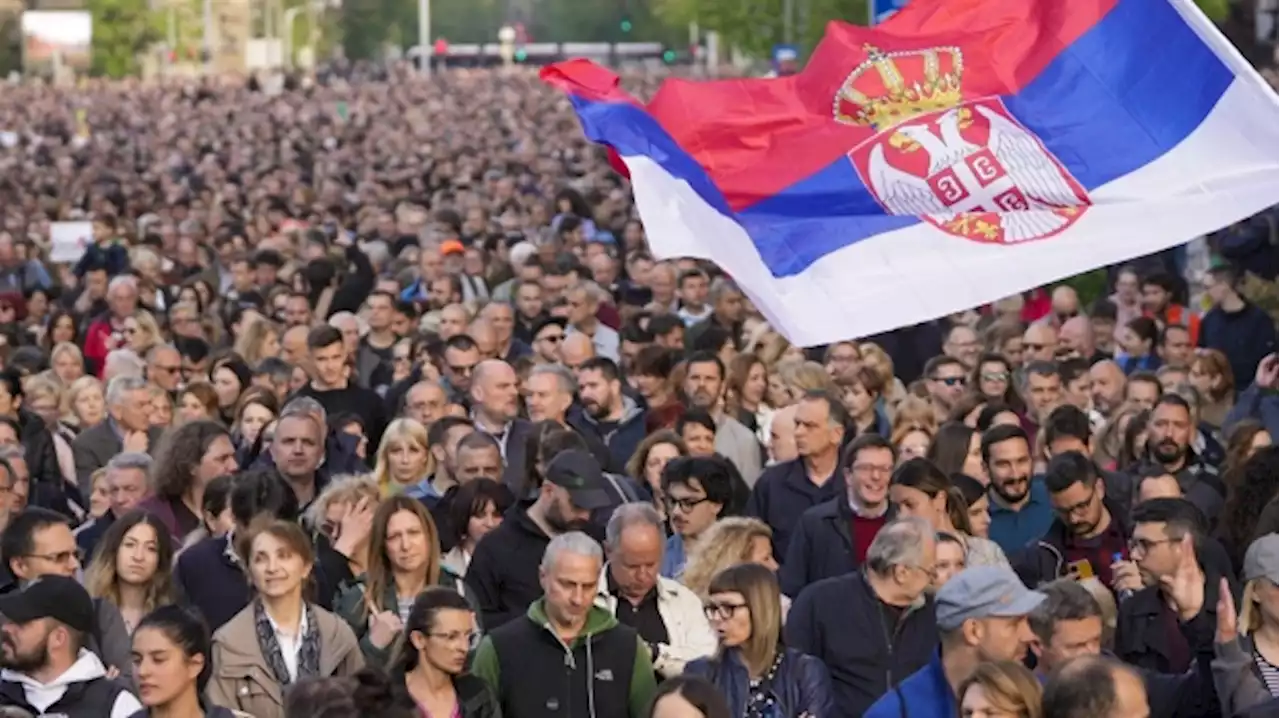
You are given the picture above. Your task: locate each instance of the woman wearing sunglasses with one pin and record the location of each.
(759, 677)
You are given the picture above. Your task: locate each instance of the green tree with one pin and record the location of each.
(122, 30)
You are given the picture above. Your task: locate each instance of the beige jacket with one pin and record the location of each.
(242, 680)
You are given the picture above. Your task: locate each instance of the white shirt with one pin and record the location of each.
(86, 668)
(290, 645)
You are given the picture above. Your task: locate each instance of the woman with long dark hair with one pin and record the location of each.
(133, 567)
(476, 509)
(428, 668)
(172, 662)
(1253, 487)
(918, 488)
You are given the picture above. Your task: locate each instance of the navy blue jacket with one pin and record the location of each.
(841, 622)
(821, 546)
(781, 496)
(622, 439)
(212, 581)
(1245, 337)
(800, 686)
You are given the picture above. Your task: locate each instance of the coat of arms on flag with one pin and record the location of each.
(965, 166)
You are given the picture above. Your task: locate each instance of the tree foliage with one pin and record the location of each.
(122, 31)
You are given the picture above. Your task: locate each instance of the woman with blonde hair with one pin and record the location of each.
(913, 410)
(802, 377)
(879, 361)
(755, 672)
(256, 408)
(404, 561)
(1002, 689)
(729, 541)
(259, 340)
(345, 496)
(773, 349)
(141, 332)
(911, 440)
(404, 456)
(160, 406)
(44, 396)
(84, 405)
(67, 362)
(1248, 651)
(745, 394)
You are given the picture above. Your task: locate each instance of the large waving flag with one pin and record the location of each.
(963, 151)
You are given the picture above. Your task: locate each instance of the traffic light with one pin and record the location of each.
(625, 24)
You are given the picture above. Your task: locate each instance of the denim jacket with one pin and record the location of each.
(801, 686)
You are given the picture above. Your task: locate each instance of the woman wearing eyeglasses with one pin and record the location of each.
(759, 677)
(430, 663)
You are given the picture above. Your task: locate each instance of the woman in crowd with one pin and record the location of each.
(992, 379)
(259, 340)
(404, 560)
(878, 360)
(476, 508)
(188, 458)
(918, 488)
(1004, 689)
(44, 397)
(957, 449)
(950, 559)
(1211, 376)
(64, 328)
(141, 332)
(1246, 438)
(160, 404)
(729, 541)
(1248, 653)
(745, 394)
(429, 668)
(230, 377)
(132, 567)
(977, 501)
(99, 494)
(345, 496)
(67, 362)
(802, 377)
(280, 638)
(652, 456)
(1138, 340)
(697, 430)
(688, 697)
(404, 456)
(198, 401)
(753, 670)
(84, 404)
(863, 397)
(256, 408)
(172, 662)
(911, 440)
(1249, 489)
(651, 373)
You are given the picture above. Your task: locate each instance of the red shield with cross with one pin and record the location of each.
(974, 171)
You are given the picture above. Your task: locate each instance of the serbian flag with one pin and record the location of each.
(963, 151)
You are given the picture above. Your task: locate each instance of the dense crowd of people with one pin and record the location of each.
(366, 394)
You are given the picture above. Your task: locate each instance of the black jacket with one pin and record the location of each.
(503, 574)
(1142, 638)
(821, 546)
(841, 622)
(48, 487)
(781, 496)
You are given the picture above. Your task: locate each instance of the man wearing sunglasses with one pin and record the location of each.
(945, 380)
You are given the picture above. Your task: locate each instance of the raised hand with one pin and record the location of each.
(1186, 586)
(1227, 630)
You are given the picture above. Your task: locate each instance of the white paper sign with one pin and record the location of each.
(69, 240)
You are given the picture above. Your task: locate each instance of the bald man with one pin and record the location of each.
(453, 321)
(495, 408)
(782, 435)
(576, 349)
(1039, 343)
(1066, 303)
(485, 337)
(1075, 339)
(293, 346)
(1106, 387)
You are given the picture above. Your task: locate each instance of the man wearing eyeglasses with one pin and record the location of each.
(38, 542)
(1181, 570)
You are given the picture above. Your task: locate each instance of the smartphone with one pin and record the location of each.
(1080, 570)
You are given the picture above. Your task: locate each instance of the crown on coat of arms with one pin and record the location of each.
(891, 87)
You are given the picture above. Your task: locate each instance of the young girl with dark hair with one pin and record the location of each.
(172, 664)
(919, 488)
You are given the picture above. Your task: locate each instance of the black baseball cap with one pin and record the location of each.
(579, 473)
(58, 597)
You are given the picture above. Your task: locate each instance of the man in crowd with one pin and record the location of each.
(1095, 687)
(503, 575)
(785, 491)
(873, 627)
(608, 415)
(584, 303)
(945, 377)
(126, 488)
(667, 615)
(495, 410)
(48, 669)
(128, 428)
(697, 492)
(982, 617)
(333, 386)
(297, 451)
(704, 385)
(1169, 433)
(833, 537)
(608, 666)
(1020, 508)
(1235, 326)
(425, 402)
